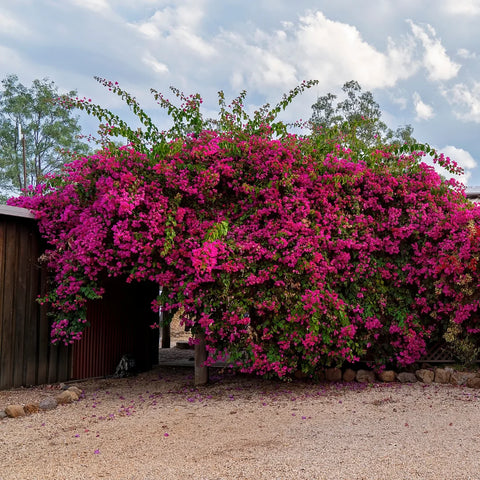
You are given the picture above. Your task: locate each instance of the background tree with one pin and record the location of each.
(358, 117)
(50, 132)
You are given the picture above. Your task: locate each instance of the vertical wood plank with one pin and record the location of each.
(19, 294)
(8, 334)
(3, 227)
(43, 334)
(32, 308)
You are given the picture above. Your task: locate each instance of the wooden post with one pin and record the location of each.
(165, 336)
(201, 373)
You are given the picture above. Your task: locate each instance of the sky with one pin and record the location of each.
(419, 58)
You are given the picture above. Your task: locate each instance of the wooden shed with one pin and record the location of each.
(120, 322)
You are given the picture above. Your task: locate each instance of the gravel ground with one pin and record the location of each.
(158, 426)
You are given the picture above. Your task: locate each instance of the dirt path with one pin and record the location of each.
(158, 426)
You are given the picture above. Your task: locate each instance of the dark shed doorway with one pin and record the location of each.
(119, 324)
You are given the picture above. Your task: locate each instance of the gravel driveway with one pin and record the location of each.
(158, 426)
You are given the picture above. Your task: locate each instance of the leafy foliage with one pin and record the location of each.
(287, 252)
(49, 132)
(187, 118)
(357, 118)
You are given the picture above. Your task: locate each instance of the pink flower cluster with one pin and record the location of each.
(287, 257)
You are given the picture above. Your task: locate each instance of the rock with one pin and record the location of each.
(48, 404)
(75, 390)
(442, 375)
(349, 375)
(425, 376)
(406, 377)
(333, 375)
(365, 376)
(450, 370)
(460, 378)
(473, 382)
(66, 397)
(3, 414)
(63, 386)
(14, 411)
(31, 408)
(387, 376)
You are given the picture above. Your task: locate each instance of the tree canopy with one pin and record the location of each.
(49, 131)
(358, 116)
(288, 252)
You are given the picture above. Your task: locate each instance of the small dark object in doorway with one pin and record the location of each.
(126, 367)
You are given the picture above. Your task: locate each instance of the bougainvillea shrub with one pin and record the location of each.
(286, 257)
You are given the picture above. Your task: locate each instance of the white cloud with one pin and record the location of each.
(310, 47)
(188, 16)
(176, 38)
(178, 27)
(98, 6)
(10, 61)
(459, 155)
(315, 47)
(11, 25)
(462, 7)
(466, 99)
(422, 110)
(402, 102)
(435, 58)
(194, 42)
(257, 63)
(466, 54)
(149, 29)
(334, 49)
(271, 69)
(154, 64)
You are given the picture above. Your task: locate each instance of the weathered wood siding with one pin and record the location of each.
(26, 355)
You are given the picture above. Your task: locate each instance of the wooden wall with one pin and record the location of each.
(26, 355)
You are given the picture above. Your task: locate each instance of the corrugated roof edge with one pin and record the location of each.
(472, 191)
(16, 211)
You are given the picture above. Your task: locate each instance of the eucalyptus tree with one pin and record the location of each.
(37, 135)
(357, 116)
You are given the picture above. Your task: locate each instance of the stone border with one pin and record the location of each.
(445, 375)
(71, 394)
